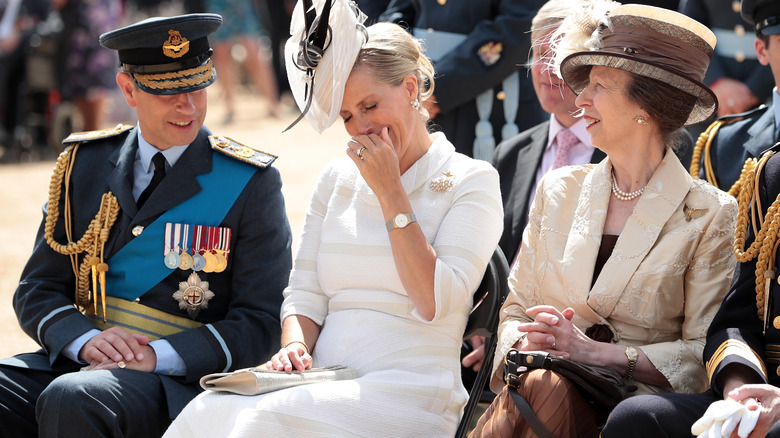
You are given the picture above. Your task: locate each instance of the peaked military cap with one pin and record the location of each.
(764, 14)
(167, 55)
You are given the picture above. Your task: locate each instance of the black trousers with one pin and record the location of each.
(109, 403)
(661, 415)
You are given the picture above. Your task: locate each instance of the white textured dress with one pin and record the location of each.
(344, 278)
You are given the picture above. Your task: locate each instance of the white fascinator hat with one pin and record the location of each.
(325, 38)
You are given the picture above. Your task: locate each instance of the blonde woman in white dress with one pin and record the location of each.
(396, 240)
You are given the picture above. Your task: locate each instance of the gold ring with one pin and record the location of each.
(121, 364)
(360, 152)
(553, 345)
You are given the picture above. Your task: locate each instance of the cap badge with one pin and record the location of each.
(490, 53)
(176, 46)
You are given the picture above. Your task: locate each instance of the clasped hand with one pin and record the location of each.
(553, 331)
(105, 351)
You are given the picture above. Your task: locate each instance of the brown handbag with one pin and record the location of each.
(601, 386)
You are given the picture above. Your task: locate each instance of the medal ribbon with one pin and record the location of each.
(168, 232)
(225, 246)
(185, 238)
(132, 271)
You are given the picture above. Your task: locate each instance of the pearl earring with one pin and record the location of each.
(416, 104)
(640, 120)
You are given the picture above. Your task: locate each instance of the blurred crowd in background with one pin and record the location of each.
(55, 78)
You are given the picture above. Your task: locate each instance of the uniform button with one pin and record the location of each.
(137, 230)
(777, 371)
(739, 30)
(736, 7)
(500, 95)
(442, 2)
(776, 322)
(739, 57)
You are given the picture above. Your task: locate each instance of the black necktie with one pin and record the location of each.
(159, 173)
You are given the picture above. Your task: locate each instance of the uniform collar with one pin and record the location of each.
(146, 151)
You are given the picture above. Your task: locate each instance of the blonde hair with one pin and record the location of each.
(391, 53)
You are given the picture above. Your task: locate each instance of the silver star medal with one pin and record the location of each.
(193, 295)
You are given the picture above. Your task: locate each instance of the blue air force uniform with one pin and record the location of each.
(220, 197)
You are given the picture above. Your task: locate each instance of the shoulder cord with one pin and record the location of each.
(704, 145)
(764, 247)
(94, 239)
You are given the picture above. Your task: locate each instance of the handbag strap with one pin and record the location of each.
(514, 362)
(528, 414)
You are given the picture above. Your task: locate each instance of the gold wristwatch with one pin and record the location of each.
(401, 220)
(632, 356)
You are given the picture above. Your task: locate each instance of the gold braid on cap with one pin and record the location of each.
(94, 239)
(704, 146)
(186, 78)
(764, 247)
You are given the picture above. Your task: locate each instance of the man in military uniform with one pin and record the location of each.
(162, 256)
(478, 47)
(733, 139)
(742, 353)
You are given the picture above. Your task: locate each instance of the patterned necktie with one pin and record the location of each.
(565, 141)
(159, 173)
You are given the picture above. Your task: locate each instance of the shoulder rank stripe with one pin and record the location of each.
(78, 137)
(241, 152)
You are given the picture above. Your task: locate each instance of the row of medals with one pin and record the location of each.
(212, 260)
(204, 259)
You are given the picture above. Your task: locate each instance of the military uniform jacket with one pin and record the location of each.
(719, 14)
(736, 334)
(242, 326)
(493, 26)
(738, 141)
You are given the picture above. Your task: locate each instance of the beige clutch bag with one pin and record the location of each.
(252, 381)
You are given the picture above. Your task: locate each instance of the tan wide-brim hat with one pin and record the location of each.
(648, 41)
(318, 75)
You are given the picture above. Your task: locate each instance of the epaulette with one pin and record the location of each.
(729, 118)
(774, 148)
(241, 152)
(79, 137)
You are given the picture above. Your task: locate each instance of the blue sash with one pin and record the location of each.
(139, 266)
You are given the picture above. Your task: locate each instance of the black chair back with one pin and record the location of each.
(483, 321)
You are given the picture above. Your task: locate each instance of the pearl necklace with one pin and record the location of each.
(623, 196)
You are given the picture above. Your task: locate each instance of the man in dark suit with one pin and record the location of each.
(523, 160)
(179, 273)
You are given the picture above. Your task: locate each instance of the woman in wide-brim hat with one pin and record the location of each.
(623, 263)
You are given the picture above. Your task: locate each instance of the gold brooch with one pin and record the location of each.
(193, 295)
(443, 183)
(176, 45)
(693, 213)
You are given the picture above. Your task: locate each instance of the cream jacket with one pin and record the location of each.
(663, 283)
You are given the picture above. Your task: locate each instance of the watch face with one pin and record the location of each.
(632, 353)
(401, 221)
